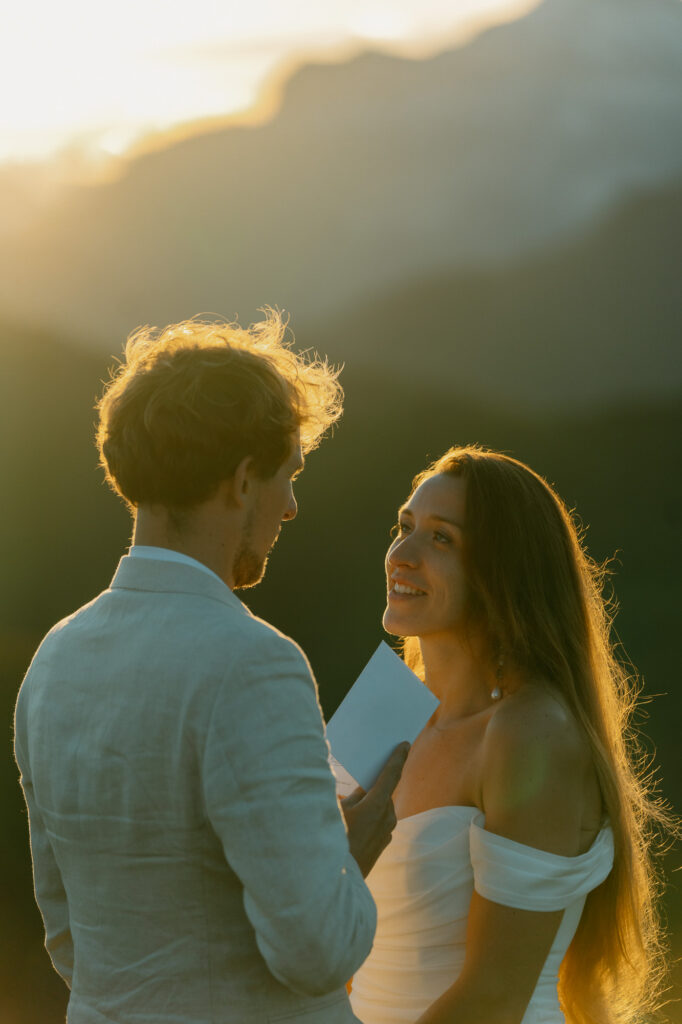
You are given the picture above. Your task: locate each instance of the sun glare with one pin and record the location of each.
(381, 23)
(84, 83)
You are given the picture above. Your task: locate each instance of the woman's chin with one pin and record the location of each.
(392, 624)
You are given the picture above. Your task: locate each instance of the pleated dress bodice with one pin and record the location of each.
(422, 885)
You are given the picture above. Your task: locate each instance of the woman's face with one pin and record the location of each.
(424, 571)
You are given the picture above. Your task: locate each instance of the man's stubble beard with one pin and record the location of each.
(248, 568)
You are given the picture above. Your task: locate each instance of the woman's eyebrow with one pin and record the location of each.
(434, 518)
(444, 519)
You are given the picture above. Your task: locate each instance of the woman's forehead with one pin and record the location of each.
(441, 495)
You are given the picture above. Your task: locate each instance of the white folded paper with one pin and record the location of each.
(386, 704)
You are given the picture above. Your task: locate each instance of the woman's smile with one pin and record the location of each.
(400, 588)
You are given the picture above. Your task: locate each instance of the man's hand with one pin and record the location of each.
(370, 817)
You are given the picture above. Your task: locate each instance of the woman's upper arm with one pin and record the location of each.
(532, 793)
(505, 951)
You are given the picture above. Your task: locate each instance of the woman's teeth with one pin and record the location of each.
(401, 588)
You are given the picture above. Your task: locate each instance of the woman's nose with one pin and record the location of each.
(403, 552)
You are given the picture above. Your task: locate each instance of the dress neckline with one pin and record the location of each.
(601, 840)
(468, 808)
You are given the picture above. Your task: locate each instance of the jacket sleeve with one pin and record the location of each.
(271, 799)
(47, 879)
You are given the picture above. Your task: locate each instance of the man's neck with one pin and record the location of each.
(202, 535)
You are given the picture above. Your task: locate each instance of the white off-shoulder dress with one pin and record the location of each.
(422, 885)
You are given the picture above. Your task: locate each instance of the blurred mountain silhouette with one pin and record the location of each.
(374, 174)
(593, 321)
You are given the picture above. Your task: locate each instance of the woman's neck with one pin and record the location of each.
(459, 674)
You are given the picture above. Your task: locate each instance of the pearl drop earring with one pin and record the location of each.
(496, 692)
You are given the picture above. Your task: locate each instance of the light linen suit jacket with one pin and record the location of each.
(190, 860)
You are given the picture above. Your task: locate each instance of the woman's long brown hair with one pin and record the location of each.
(540, 598)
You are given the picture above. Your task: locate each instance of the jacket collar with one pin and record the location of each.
(160, 576)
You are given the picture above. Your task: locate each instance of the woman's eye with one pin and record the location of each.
(442, 538)
(399, 529)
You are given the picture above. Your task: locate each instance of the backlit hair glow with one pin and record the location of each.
(189, 402)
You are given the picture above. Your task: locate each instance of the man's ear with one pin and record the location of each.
(238, 489)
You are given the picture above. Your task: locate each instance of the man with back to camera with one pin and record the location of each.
(190, 861)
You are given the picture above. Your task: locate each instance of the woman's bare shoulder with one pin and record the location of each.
(534, 714)
(536, 761)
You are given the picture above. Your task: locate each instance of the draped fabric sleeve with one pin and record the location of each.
(523, 877)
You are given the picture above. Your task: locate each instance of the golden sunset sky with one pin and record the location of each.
(91, 80)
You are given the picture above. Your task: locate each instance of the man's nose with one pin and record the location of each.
(291, 510)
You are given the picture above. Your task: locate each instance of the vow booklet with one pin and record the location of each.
(386, 704)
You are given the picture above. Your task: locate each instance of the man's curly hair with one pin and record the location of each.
(188, 403)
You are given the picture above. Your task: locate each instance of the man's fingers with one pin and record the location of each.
(389, 775)
(353, 798)
(390, 819)
(370, 816)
